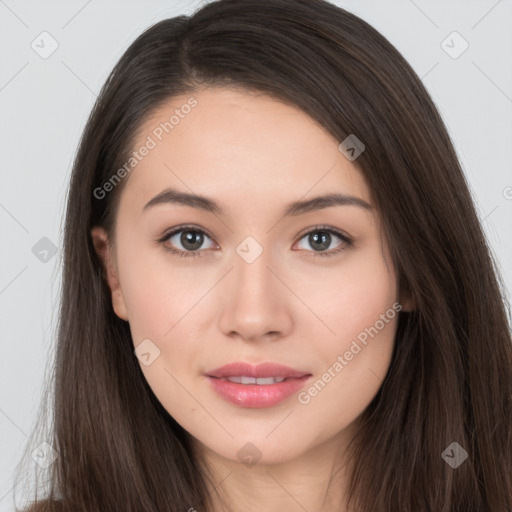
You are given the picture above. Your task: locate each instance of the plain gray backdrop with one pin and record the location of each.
(55, 56)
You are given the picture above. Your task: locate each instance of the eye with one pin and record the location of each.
(320, 238)
(190, 238)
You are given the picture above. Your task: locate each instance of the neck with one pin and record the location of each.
(315, 480)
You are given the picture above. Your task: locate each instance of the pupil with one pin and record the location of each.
(323, 239)
(191, 240)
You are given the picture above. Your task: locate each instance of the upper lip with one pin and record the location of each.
(261, 370)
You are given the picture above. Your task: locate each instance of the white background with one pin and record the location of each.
(45, 103)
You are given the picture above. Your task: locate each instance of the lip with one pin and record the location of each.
(260, 370)
(256, 395)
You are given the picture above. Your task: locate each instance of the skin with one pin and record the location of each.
(253, 155)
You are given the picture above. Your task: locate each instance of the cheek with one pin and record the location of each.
(160, 302)
(159, 295)
(359, 311)
(348, 299)
(365, 302)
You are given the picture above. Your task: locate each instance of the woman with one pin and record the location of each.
(276, 291)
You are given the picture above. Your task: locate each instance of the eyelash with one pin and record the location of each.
(347, 242)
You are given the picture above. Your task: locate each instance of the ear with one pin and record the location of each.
(105, 253)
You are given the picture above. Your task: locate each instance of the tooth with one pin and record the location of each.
(262, 381)
(265, 380)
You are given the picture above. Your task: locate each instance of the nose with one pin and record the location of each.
(256, 304)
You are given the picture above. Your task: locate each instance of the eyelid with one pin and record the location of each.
(172, 231)
(346, 239)
(177, 229)
(331, 229)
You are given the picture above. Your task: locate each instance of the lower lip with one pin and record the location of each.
(256, 395)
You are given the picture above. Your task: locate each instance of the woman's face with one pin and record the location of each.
(311, 287)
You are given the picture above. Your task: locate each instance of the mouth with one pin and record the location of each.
(260, 386)
(260, 381)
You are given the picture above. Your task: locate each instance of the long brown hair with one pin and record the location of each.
(450, 379)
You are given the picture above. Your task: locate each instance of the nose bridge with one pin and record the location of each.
(252, 276)
(254, 305)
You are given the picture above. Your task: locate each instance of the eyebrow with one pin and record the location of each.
(173, 196)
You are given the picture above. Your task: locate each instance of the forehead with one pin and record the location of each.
(238, 145)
